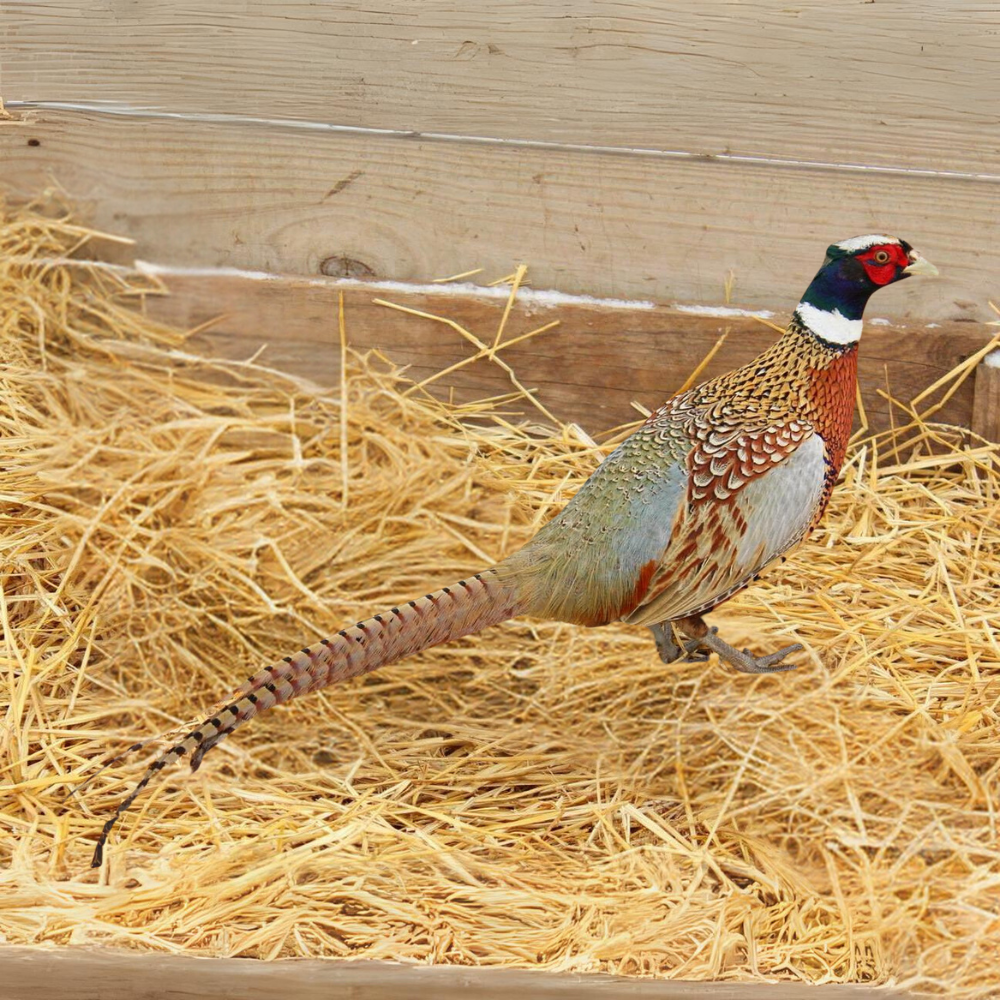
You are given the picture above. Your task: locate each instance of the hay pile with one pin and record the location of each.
(540, 795)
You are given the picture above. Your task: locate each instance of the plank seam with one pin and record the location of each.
(732, 159)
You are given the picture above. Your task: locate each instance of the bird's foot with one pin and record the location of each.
(741, 659)
(693, 652)
(669, 649)
(744, 661)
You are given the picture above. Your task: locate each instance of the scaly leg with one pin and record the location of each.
(670, 651)
(742, 660)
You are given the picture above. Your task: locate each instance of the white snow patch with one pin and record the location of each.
(99, 265)
(878, 321)
(168, 270)
(547, 298)
(932, 326)
(722, 312)
(992, 360)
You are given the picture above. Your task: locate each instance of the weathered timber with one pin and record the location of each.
(108, 974)
(307, 201)
(588, 369)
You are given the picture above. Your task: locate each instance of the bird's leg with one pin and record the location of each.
(742, 660)
(669, 649)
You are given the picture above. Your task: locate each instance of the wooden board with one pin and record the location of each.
(106, 974)
(986, 406)
(589, 369)
(904, 83)
(289, 199)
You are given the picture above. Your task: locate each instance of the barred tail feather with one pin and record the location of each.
(467, 607)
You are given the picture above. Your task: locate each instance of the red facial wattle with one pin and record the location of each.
(883, 263)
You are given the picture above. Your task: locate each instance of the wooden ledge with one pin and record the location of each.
(111, 974)
(588, 369)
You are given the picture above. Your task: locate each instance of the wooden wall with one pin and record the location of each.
(78, 973)
(590, 368)
(621, 148)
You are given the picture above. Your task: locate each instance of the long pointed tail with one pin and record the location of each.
(467, 607)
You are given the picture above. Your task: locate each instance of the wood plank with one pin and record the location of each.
(589, 369)
(108, 974)
(910, 83)
(288, 200)
(986, 408)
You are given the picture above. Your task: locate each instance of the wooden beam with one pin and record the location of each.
(905, 83)
(986, 408)
(304, 201)
(108, 974)
(588, 369)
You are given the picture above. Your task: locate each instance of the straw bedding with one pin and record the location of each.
(539, 795)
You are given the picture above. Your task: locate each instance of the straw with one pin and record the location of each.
(538, 796)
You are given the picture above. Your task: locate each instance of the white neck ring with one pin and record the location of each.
(829, 326)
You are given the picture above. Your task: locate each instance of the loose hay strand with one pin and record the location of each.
(538, 795)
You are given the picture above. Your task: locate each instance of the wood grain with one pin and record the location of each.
(589, 369)
(986, 407)
(288, 200)
(910, 83)
(108, 974)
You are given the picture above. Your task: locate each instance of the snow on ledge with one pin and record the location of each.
(531, 296)
(723, 312)
(547, 298)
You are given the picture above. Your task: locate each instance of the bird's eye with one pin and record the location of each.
(882, 257)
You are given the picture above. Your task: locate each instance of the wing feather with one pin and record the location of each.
(680, 516)
(720, 546)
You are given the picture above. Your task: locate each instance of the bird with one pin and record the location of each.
(712, 488)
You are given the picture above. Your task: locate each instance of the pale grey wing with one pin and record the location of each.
(592, 563)
(717, 548)
(780, 506)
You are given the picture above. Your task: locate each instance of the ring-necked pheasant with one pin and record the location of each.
(717, 483)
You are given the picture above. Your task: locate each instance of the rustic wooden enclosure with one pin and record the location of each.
(654, 151)
(637, 150)
(669, 152)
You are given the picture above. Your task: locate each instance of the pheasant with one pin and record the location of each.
(718, 483)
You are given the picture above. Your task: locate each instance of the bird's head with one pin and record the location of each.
(835, 300)
(874, 261)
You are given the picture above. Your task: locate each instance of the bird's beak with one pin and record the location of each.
(919, 264)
